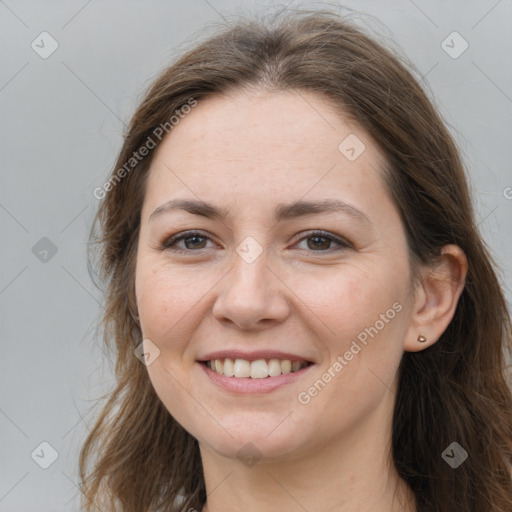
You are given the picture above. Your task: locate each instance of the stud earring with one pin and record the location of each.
(422, 338)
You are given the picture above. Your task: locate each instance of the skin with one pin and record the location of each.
(250, 151)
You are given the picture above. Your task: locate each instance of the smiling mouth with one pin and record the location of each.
(258, 369)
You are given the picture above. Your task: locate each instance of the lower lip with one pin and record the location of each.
(248, 385)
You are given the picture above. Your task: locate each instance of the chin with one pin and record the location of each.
(248, 442)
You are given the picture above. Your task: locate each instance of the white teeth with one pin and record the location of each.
(229, 370)
(274, 367)
(242, 368)
(286, 366)
(295, 366)
(259, 369)
(219, 366)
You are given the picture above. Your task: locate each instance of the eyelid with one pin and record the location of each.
(166, 244)
(173, 239)
(319, 232)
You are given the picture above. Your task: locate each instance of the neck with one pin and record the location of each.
(352, 473)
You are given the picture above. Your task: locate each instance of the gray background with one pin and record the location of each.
(61, 124)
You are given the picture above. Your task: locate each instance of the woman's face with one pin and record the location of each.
(255, 272)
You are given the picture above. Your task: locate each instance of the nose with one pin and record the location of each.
(251, 296)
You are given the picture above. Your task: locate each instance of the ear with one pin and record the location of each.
(436, 298)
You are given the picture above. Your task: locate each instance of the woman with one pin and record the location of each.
(305, 316)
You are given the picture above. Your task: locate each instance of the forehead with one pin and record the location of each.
(262, 125)
(266, 147)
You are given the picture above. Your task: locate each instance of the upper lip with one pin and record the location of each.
(253, 355)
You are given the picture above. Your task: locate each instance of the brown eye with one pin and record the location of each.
(319, 242)
(191, 241)
(322, 242)
(196, 242)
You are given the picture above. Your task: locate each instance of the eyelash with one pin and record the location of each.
(169, 243)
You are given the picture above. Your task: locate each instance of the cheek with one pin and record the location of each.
(164, 298)
(364, 318)
(353, 298)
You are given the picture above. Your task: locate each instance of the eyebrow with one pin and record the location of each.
(282, 211)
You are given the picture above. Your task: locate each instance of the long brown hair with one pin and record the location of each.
(454, 391)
